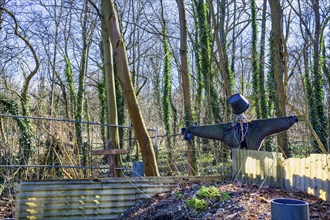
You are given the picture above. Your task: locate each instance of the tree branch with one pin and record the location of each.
(34, 71)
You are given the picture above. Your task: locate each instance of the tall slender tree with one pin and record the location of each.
(254, 60)
(319, 120)
(167, 91)
(262, 89)
(147, 150)
(112, 111)
(205, 43)
(86, 42)
(223, 62)
(278, 67)
(26, 139)
(198, 68)
(184, 68)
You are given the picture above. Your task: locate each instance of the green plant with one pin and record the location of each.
(210, 192)
(197, 203)
(178, 195)
(225, 196)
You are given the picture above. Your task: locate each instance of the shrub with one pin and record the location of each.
(198, 204)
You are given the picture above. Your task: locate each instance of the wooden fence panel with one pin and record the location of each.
(310, 175)
(254, 166)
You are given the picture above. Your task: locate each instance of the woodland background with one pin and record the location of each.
(185, 59)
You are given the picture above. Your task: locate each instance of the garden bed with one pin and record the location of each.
(229, 201)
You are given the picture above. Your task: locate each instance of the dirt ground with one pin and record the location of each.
(6, 208)
(244, 202)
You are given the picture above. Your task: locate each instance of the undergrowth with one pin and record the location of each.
(205, 196)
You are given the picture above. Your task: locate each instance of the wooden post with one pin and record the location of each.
(109, 153)
(110, 160)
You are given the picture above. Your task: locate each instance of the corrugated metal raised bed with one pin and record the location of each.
(84, 199)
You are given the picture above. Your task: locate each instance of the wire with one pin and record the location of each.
(59, 167)
(70, 121)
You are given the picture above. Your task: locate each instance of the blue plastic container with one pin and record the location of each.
(138, 168)
(238, 103)
(289, 209)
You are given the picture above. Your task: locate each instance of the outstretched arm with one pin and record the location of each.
(259, 129)
(215, 132)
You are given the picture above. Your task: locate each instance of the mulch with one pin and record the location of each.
(245, 202)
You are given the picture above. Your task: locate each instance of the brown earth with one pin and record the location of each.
(244, 202)
(6, 208)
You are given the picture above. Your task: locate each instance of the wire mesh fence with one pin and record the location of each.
(54, 152)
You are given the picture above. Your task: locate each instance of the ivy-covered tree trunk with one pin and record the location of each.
(278, 68)
(148, 155)
(254, 61)
(167, 93)
(262, 89)
(184, 68)
(26, 139)
(326, 71)
(319, 121)
(205, 42)
(70, 83)
(81, 83)
(233, 47)
(100, 86)
(120, 110)
(197, 84)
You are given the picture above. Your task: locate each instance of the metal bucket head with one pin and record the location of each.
(238, 103)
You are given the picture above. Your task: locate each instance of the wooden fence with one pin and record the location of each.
(310, 175)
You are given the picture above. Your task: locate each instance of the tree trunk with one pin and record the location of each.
(233, 48)
(198, 71)
(262, 90)
(25, 125)
(102, 102)
(110, 82)
(81, 82)
(254, 61)
(205, 40)
(184, 68)
(57, 19)
(222, 60)
(278, 67)
(167, 94)
(326, 72)
(319, 120)
(151, 168)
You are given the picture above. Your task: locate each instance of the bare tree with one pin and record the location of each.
(110, 79)
(278, 67)
(184, 68)
(148, 155)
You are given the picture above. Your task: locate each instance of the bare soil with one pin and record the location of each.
(245, 202)
(6, 208)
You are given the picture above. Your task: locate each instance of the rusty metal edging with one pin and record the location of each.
(91, 198)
